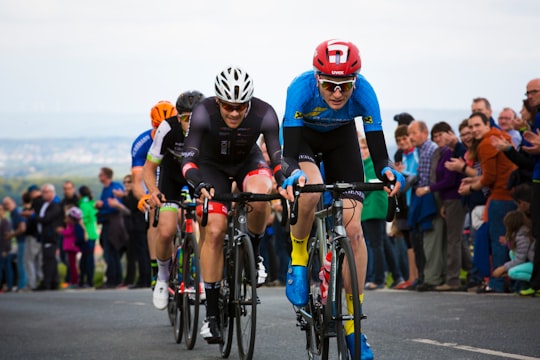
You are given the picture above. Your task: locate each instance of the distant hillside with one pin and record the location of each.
(81, 157)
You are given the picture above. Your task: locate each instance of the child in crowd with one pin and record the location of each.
(73, 234)
(521, 244)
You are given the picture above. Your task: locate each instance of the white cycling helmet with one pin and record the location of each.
(234, 85)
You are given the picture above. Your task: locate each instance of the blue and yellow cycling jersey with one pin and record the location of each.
(306, 107)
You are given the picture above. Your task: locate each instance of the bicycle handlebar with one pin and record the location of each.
(339, 188)
(181, 203)
(243, 197)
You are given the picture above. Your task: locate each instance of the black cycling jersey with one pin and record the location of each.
(166, 151)
(211, 142)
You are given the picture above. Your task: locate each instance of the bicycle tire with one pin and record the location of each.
(174, 283)
(226, 316)
(315, 337)
(192, 277)
(341, 306)
(245, 289)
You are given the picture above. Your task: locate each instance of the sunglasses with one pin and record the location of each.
(230, 108)
(332, 86)
(184, 117)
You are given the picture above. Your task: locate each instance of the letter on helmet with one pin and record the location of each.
(337, 58)
(234, 85)
(162, 110)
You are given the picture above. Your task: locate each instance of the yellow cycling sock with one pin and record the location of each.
(349, 324)
(299, 255)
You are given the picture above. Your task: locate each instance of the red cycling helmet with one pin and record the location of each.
(337, 58)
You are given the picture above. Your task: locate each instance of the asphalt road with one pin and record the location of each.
(122, 324)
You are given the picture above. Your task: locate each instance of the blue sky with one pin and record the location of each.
(61, 56)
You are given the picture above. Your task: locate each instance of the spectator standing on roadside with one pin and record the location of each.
(113, 234)
(423, 213)
(137, 254)
(380, 248)
(507, 120)
(50, 217)
(18, 226)
(33, 256)
(496, 169)
(533, 148)
(6, 258)
(447, 182)
(87, 204)
(69, 200)
(73, 234)
(406, 161)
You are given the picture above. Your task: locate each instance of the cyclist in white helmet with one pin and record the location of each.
(221, 147)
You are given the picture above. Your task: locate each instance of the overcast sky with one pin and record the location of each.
(123, 56)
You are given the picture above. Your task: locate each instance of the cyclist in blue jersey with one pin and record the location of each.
(320, 113)
(166, 154)
(139, 149)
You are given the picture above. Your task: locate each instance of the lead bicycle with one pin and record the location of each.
(238, 295)
(322, 321)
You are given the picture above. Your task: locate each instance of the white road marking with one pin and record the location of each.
(475, 349)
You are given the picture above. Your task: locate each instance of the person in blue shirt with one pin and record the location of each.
(320, 112)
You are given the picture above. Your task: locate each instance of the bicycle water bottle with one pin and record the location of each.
(324, 276)
(185, 194)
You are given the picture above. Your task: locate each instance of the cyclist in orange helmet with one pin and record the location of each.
(139, 149)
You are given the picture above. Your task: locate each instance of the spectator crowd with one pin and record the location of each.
(468, 216)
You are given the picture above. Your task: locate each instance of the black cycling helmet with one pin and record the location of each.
(187, 100)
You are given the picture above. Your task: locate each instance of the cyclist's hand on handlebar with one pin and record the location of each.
(395, 177)
(204, 190)
(297, 177)
(156, 198)
(143, 205)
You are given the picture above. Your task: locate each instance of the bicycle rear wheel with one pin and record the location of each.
(342, 313)
(245, 289)
(192, 277)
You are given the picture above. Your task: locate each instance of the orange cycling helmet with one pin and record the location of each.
(337, 58)
(162, 110)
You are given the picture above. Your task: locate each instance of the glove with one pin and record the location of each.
(293, 179)
(397, 175)
(202, 185)
(143, 201)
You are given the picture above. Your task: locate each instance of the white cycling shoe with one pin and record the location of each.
(160, 296)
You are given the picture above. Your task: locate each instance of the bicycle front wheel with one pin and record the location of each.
(245, 298)
(316, 340)
(192, 278)
(226, 309)
(342, 312)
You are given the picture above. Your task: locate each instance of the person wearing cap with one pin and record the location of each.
(320, 112)
(403, 118)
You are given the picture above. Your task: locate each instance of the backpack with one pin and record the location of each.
(80, 236)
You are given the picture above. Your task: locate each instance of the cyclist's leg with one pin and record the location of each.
(350, 170)
(168, 216)
(256, 177)
(297, 286)
(211, 261)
